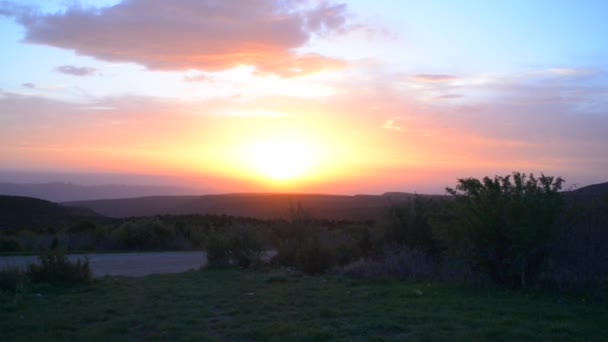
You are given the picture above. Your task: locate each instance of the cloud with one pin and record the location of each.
(192, 34)
(433, 78)
(391, 125)
(448, 96)
(76, 71)
(197, 78)
(29, 85)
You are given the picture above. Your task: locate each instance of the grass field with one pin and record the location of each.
(247, 305)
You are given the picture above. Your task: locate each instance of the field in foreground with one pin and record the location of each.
(246, 305)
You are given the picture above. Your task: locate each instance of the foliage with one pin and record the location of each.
(144, 235)
(507, 222)
(241, 245)
(246, 246)
(10, 244)
(411, 225)
(55, 268)
(313, 257)
(11, 278)
(239, 305)
(217, 247)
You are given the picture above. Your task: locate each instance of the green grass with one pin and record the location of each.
(246, 305)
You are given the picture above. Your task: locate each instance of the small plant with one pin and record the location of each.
(11, 278)
(217, 247)
(8, 244)
(313, 258)
(55, 268)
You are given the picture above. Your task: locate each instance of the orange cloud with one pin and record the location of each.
(192, 34)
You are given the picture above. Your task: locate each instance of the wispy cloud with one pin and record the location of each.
(391, 125)
(192, 34)
(76, 71)
(448, 96)
(433, 78)
(197, 78)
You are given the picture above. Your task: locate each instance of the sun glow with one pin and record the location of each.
(282, 160)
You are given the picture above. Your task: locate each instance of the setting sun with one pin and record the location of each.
(281, 160)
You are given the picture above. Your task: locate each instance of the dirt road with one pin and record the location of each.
(126, 264)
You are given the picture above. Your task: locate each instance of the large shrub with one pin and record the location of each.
(506, 223)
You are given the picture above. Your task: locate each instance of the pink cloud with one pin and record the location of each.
(433, 78)
(191, 34)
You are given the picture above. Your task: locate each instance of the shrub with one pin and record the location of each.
(11, 278)
(410, 225)
(55, 268)
(246, 247)
(241, 246)
(505, 225)
(9, 245)
(82, 227)
(312, 257)
(402, 262)
(217, 247)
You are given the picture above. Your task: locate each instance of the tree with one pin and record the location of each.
(507, 222)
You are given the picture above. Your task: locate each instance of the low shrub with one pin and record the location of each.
(402, 262)
(246, 247)
(242, 246)
(11, 278)
(55, 268)
(9, 244)
(217, 247)
(313, 258)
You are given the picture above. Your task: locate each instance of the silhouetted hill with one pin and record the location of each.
(26, 212)
(63, 192)
(262, 206)
(592, 192)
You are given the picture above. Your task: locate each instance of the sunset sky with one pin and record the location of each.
(307, 96)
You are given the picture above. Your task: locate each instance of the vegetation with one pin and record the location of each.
(55, 268)
(506, 225)
(518, 231)
(246, 305)
(432, 269)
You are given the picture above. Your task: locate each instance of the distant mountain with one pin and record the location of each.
(592, 192)
(26, 212)
(262, 206)
(63, 192)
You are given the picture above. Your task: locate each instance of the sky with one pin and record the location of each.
(304, 95)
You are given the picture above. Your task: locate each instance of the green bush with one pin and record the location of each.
(505, 224)
(55, 268)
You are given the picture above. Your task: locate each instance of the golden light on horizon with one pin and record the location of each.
(281, 160)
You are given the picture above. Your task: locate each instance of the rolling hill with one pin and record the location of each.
(26, 212)
(262, 206)
(63, 192)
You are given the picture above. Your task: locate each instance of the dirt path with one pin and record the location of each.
(127, 264)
